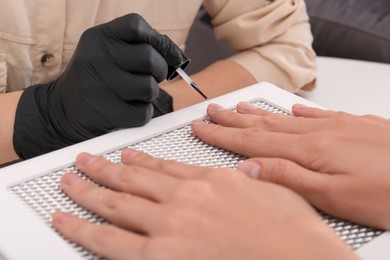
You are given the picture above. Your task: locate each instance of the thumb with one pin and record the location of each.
(287, 173)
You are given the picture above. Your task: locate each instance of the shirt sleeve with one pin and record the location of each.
(272, 39)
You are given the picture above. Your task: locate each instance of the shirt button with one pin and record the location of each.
(48, 60)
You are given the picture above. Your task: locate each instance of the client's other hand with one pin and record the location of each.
(167, 210)
(339, 162)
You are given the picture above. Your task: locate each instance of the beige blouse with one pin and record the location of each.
(272, 38)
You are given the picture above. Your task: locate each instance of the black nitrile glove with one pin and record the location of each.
(111, 82)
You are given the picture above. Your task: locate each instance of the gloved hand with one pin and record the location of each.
(111, 82)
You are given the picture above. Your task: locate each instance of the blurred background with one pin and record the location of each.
(352, 41)
(352, 29)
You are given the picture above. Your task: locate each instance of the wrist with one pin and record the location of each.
(33, 131)
(328, 245)
(8, 104)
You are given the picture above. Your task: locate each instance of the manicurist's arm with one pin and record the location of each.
(8, 104)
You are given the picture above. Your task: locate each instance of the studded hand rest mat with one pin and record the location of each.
(43, 194)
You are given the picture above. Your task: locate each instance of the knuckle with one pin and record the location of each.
(252, 132)
(343, 118)
(279, 171)
(267, 122)
(163, 165)
(193, 190)
(180, 221)
(317, 145)
(136, 26)
(144, 114)
(148, 58)
(152, 90)
(154, 63)
(250, 137)
(285, 175)
(148, 90)
(102, 235)
(114, 202)
(82, 192)
(125, 176)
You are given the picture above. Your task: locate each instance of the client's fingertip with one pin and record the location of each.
(245, 107)
(197, 124)
(214, 108)
(69, 179)
(250, 168)
(299, 106)
(129, 153)
(84, 159)
(59, 218)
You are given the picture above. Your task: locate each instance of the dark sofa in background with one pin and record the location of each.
(353, 29)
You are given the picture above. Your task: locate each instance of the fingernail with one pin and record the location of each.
(59, 218)
(129, 153)
(69, 179)
(214, 107)
(245, 106)
(85, 159)
(250, 168)
(197, 123)
(299, 106)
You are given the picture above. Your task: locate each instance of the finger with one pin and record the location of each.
(377, 118)
(247, 108)
(227, 117)
(115, 112)
(252, 142)
(134, 113)
(130, 179)
(300, 110)
(167, 167)
(122, 209)
(132, 28)
(104, 240)
(140, 59)
(131, 86)
(267, 121)
(309, 184)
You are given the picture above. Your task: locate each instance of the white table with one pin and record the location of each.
(358, 87)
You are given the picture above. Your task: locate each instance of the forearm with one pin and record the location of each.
(8, 104)
(217, 79)
(273, 41)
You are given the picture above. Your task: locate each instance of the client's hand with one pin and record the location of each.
(337, 161)
(166, 210)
